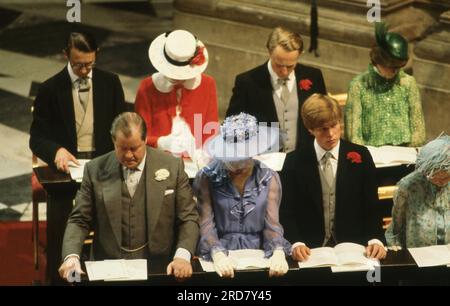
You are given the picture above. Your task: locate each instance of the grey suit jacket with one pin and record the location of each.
(172, 219)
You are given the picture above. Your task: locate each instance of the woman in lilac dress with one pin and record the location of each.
(239, 197)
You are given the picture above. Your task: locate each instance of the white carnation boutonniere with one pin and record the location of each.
(161, 175)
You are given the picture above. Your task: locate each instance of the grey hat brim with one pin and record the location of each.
(267, 140)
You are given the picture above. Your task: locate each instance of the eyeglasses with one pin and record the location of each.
(81, 65)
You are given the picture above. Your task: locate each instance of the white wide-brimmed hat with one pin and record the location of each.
(241, 137)
(178, 55)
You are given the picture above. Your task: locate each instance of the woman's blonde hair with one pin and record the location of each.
(319, 110)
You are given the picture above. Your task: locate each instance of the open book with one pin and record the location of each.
(343, 257)
(76, 171)
(387, 156)
(246, 259)
(117, 270)
(435, 255)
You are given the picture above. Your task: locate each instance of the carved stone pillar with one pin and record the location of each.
(432, 72)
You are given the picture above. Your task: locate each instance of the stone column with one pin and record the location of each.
(432, 72)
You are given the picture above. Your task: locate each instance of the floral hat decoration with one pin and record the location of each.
(241, 137)
(178, 55)
(434, 156)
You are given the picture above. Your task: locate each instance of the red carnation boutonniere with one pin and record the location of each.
(199, 57)
(354, 157)
(305, 84)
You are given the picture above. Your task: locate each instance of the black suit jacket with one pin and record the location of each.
(53, 123)
(253, 94)
(301, 209)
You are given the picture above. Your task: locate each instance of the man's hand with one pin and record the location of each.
(70, 265)
(301, 253)
(180, 268)
(62, 159)
(375, 251)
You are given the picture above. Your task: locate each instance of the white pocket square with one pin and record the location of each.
(168, 191)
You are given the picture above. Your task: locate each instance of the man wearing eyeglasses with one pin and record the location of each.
(73, 112)
(74, 109)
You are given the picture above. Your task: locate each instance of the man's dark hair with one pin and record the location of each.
(83, 41)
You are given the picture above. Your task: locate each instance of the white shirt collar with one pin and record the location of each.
(163, 84)
(73, 76)
(140, 166)
(320, 152)
(274, 77)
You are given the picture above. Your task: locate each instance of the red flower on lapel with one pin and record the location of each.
(305, 84)
(199, 57)
(354, 157)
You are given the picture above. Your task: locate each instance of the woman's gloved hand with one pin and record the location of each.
(171, 143)
(278, 264)
(223, 265)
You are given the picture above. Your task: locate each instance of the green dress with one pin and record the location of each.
(384, 112)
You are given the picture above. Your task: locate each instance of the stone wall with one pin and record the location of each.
(235, 33)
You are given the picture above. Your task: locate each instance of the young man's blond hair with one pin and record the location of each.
(320, 110)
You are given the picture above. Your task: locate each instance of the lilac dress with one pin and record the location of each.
(229, 221)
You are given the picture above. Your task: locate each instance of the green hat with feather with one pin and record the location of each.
(393, 47)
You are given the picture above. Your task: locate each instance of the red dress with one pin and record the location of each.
(158, 109)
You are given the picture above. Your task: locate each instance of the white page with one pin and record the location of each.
(346, 254)
(369, 265)
(207, 266)
(350, 253)
(274, 160)
(246, 259)
(107, 269)
(435, 255)
(320, 257)
(76, 171)
(135, 269)
(386, 156)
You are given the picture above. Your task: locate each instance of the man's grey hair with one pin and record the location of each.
(125, 122)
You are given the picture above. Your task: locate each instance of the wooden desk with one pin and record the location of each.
(397, 267)
(61, 191)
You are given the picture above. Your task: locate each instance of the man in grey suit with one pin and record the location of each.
(137, 200)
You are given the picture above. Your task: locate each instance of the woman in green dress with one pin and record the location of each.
(383, 105)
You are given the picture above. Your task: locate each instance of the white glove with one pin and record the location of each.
(180, 127)
(278, 264)
(182, 131)
(223, 265)
(171, 144)
(200, 158)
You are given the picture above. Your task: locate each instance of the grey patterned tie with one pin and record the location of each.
(83, 91)
(131, 181)
(327, 169)
(284, 90)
